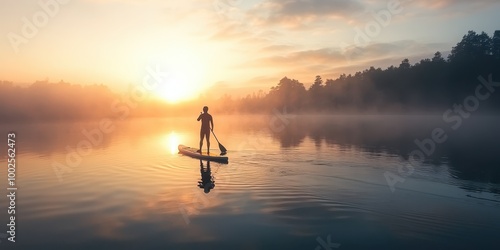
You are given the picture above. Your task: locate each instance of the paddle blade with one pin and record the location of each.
(222, 148)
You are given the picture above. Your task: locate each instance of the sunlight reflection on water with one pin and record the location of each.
(172, 141)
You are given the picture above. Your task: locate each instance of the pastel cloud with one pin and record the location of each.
(443, 4)
(338, 8)
(300, 13)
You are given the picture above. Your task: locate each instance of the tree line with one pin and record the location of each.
(431, 85)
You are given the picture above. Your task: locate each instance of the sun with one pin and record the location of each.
(177, 88)
(185, 75)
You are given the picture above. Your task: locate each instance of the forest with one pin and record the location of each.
(429, 86)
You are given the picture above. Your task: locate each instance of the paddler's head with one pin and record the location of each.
(207, 188)
(205, 109)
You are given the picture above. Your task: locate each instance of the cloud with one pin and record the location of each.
(311, 13)
(322, 56)
(317, 7)
(444, 4)
(325, 55)
(299, 13)
(383, 50)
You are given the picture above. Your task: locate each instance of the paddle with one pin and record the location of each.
(223, 150)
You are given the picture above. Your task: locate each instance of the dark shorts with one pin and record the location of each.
(205, 133)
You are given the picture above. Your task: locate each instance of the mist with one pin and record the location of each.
(468, 77)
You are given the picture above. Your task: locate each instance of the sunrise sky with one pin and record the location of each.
(234, 46)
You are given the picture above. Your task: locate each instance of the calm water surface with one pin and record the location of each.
(305, 182)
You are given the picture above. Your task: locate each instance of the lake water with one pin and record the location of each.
(295, 182)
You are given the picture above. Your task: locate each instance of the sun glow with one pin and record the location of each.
(185, 74)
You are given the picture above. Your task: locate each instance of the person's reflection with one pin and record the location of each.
(207, 181)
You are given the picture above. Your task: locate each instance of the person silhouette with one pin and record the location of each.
(207, 181)
(206, 121)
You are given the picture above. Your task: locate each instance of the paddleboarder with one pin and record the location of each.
(207, 124)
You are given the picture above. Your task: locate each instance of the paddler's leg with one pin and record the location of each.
(201, 141)
(208, 142)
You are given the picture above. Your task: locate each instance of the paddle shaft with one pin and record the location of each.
(222, 148)
(215, 136)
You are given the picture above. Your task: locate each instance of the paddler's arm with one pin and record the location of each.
(199, 117)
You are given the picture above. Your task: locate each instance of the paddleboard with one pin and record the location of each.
(191, 152)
